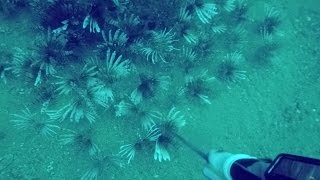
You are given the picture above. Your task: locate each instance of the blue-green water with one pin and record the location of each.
(244, 81)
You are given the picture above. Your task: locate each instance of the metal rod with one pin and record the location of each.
(195, 149)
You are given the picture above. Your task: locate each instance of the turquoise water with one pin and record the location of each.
(243, 84)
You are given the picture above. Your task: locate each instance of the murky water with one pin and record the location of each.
(97, 89)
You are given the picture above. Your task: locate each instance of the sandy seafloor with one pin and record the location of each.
(276, 110)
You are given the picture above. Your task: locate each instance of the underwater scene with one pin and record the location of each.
(118, 89)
